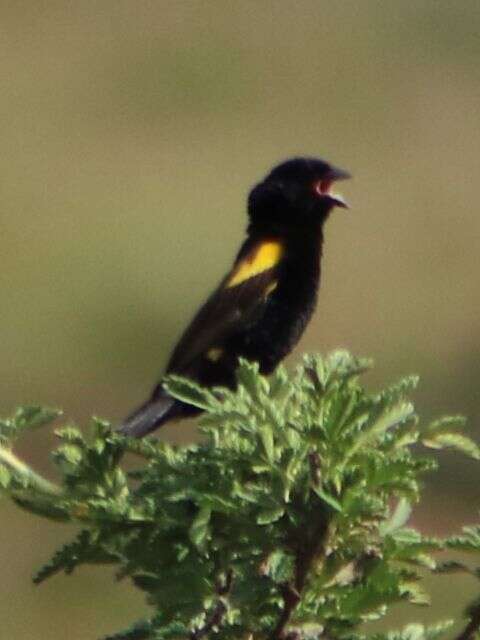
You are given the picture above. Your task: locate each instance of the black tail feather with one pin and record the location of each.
(150, 416)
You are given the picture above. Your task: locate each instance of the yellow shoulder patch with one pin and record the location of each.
(214, 354)
(264, 256)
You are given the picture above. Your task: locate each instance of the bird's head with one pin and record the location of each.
(295, 194)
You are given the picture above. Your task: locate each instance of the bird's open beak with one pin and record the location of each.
(324, 187)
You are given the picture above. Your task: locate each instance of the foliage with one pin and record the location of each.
(289, 519)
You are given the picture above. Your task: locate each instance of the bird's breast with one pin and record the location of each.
(290, 306)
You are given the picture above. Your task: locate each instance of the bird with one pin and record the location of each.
(263, 304)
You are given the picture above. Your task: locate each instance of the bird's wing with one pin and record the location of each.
(234, 306)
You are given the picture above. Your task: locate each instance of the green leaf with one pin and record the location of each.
(415, 593)
(398, 519)
(189, 392)
(24, 418)
(389, 419)
(447, 423)
(199, 528)
(72, 435)
(468, 541)
(279, 566)
(248, 377)
(453, 441)
(267, 516)
(32, 417)
(266, 436)
(330, 500)
(417, 631)
(5, 477)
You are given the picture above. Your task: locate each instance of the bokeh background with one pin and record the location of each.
(131, 132)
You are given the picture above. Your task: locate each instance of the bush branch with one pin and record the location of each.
(473, 625)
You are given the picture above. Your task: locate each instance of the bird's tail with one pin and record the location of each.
(148, 417)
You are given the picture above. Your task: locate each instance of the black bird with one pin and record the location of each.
(262, 306)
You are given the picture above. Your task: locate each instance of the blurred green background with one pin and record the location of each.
(131, 133)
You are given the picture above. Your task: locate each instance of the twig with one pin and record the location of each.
(214, 620)
(473, 625)
(224, 589)
(220, 609)
(314, 460)
(291, 598)
(307, 551)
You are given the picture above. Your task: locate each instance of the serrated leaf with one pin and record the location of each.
(398, 519)
(71, 434)
(266, 436)
(248, 376)
(416, 631)
(425, 560)
(245, 492)
(32, 417)
(448, 423)
(199, 528)
(389, 419)
(451, 566)
(280, 387)
(469, 541)
(328, 499)
(453, 441)
(267, 516)
(70, 453)
(139, 631)
(182, 552)
(188, 391)
(5, 477)
(415, 593)
(344, 365)
(279, 566)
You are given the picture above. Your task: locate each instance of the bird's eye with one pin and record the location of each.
(322, 187)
